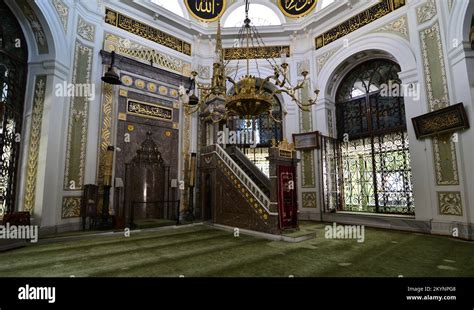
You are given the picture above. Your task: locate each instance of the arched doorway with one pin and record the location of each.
(374, 158)
(13, 72)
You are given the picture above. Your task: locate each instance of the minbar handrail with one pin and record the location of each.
(258, 194)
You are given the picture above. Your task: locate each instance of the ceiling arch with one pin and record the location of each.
(262, 13)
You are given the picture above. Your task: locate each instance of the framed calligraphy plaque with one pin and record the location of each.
(306, 141)
(297, 8)
(206, 10)
(149, 110)
(450, 119)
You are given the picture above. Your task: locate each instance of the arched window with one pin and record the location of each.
(261, 131)
(171, 5)
(13, 64)
(259, 14)
(373, 141)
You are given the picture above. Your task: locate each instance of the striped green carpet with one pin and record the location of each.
(204, 251)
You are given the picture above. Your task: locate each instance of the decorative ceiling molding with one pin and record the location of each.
(145, 54)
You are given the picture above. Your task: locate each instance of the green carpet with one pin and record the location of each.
(204, 251)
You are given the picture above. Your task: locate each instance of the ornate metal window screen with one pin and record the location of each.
(13, 59)
(263, 129)
(368, 167)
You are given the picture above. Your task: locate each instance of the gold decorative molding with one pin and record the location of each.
(450, 203)
(309, 200)
(258, 207)
(286, 146)
(236, 53)
(398, 27)
(324, 58)
(63, 12)
(71, 207)
(106, 128)
(85, 30)
(34, 143)
(145, 31)
(78, 121)
(433, 61)
(123, 93)
(358, 21)
(140, 83)
(142, 53)
(445, 159)
(426, 12)
(186, 144)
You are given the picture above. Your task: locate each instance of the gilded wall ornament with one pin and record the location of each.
(85, 30)
(63, 12)
(71, 207)
(398, 27)
(446, 165)
(145, 54)
(34, 143)
(309, 200)
(324, 58)
(78, 121)
(450, 203)
(426, 12)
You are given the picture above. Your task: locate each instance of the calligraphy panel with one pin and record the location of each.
(297, 8)
(263, 52)
(206, 10)
(358, 21)
(147, 32)
(149, 110)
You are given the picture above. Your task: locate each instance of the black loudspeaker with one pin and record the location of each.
(89, 205)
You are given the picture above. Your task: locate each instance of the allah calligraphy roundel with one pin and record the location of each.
(297, 8)
(206, 10)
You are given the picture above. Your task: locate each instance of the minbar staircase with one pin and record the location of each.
(238, 193)
(257, 176)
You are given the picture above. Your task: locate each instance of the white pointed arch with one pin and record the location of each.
(399, 49)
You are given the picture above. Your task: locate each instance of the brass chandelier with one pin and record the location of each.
(250, 96)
